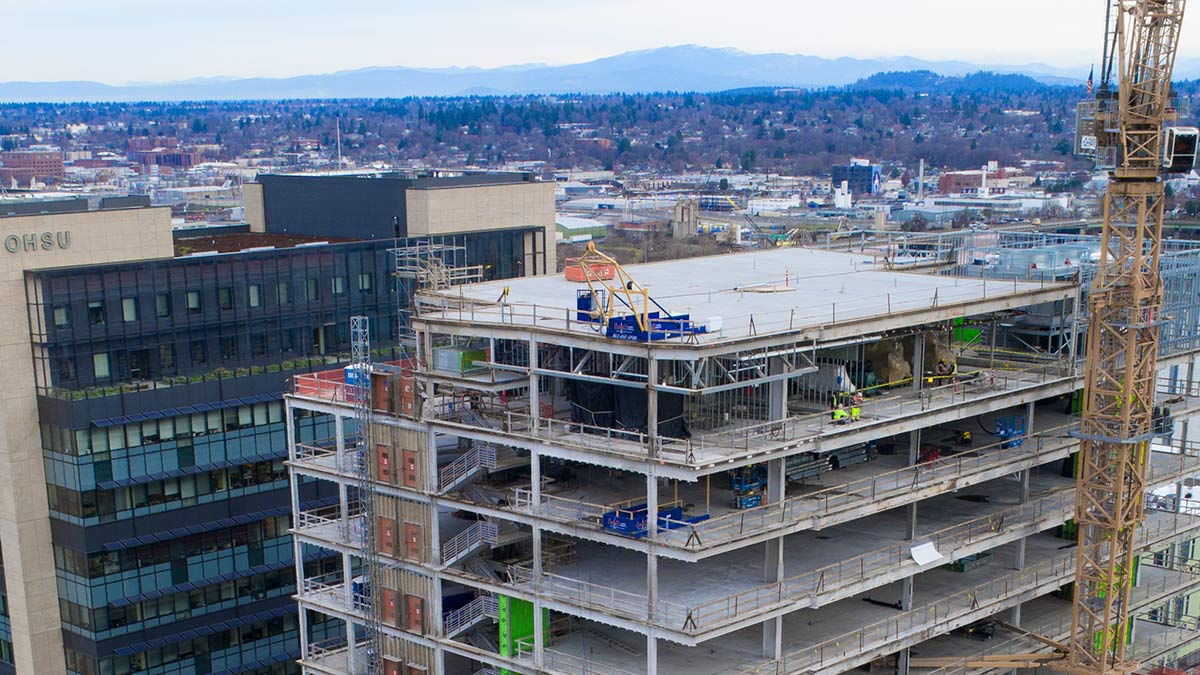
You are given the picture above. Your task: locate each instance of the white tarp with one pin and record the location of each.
(925, 554)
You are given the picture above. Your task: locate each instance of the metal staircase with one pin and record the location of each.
(482, 568)
(471, 614)
(483, 640)
(470, 540)
(480, 456)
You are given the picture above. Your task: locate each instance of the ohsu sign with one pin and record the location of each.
(37, 241)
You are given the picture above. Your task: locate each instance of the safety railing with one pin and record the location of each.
(832, 504)
(831, 582)
(559, 661)
(942, 614)
(329, 523)
(703, 448)
(333, 590)
(826, 504)
(324, 454)
(890, 302)
(322, 648)
(596, 596)
(462, 544)
(479, 456)
(483, 606)
(826, 581)
(946, 613)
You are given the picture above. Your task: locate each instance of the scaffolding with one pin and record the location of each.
(1048, 257)
(427, 265)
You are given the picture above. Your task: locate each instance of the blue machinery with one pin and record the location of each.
(747, 484)
(1010, 431)
(602, 304)
(629, 518)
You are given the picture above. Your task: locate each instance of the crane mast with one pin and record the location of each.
(1124, 307)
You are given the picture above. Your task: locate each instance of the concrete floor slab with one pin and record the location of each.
(782, 289)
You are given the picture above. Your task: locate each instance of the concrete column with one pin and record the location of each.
(293, 484)
(539, 629)
(539, 620)
(651, 571)
(343, 496)
(298, 564)
(776, 485)
(431, 468)
(773, 563)
(535, 402)
(652, 599)
(910, 522)
(918, 361)
(1181, 551)
(347, 581)
(652, 404)
(776, 391)
(435, 546)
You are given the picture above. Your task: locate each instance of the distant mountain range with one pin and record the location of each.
(681, 68)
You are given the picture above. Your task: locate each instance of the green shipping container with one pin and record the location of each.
(458, 359)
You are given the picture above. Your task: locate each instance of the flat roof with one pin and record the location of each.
(755, 293)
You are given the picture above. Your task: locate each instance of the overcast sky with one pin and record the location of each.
(120, 41)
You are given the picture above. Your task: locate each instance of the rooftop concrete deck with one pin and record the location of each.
(754, 293)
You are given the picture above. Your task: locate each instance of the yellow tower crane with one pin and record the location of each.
(1125, 129)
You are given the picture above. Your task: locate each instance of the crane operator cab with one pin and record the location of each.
(1179, 149)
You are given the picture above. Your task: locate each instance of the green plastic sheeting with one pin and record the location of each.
(516, 627)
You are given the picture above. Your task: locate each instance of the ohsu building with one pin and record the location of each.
(144, 501)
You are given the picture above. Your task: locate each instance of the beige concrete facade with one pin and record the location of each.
(452, 210)
(254, 213)
(27, 243)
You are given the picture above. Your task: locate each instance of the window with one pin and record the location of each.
(129, 309)
(339, 285)
(281, 293)
(66, 368)
(258, 344)
(166, 357)
(193, 302)
(162, 305)
(199, 352)
(225, 297)
(314, 289)
(366, 282)
(62, 317)
(229, 348)
(287, 341)
(255, 295)
(100, 365)
(96, 312)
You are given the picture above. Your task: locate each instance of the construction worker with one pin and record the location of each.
(856, 400)
(942, 369)
(839, 414)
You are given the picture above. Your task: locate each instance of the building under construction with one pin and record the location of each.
(782, 461)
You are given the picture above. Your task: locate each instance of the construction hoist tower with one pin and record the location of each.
(1124, 129)
(360, 360)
